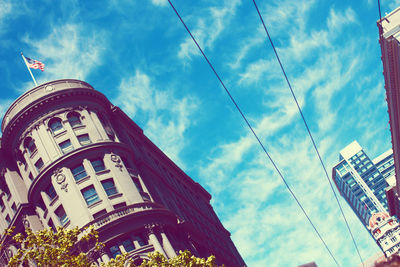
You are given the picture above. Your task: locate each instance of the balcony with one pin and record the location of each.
(115, 215)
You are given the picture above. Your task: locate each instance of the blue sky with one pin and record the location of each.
(139, 55)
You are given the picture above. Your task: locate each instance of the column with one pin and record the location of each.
(166, 244)
(151, 229)
(104, 256)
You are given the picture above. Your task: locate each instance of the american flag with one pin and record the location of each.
(34, 64)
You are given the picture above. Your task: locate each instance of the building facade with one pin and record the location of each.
(70, 158)
(364, 183)
(361, 181)
(389, 39)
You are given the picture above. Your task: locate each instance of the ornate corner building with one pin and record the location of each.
(68, 158)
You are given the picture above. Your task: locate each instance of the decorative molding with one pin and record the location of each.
(60, 178)
(117, 160)
(25, 221)
(151, 228)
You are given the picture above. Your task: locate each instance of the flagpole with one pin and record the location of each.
(26, 63)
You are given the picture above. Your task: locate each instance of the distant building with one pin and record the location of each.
(389, 39)
(361, 181)
(386, 232)
(68, 158)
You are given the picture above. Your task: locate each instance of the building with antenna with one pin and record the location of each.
(68, 158)
(363, 182)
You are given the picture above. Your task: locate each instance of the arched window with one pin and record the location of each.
(74, 119)
(29, 144)
(56, 125)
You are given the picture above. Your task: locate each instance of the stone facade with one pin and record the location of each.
(70, 158)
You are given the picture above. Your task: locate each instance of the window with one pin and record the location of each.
(62, 216)
(2, 204)
(119, 205)
(115, 251)
(98, 214)
(29, 144)
(109, 187)
(74, 119)
(51, 193)
(84, 139)
(66, 146)
(78, 172)
(14, 207)
(51, 225)
(8, 219)
(30, 176)
(128, 245)
(98, 165)
(90, 195)
(39, 164)
(140, 240)
(137, 184)
(56, 126)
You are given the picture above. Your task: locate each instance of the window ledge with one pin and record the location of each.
(59, 134)
(53, 200)
(102, 172)
(115, 196)
(83, 179)
(95, 204)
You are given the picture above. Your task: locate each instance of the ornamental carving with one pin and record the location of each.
(25, 221)
(60, 177)
(151, 228)
(117, 161)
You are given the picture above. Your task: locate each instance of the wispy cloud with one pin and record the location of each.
(159, 2)
(69, 51)
(161, 111)
(208, 28)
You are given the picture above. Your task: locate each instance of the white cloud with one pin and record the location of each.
(208, 28)
(69, 51)
(159, 2)
(162, 111)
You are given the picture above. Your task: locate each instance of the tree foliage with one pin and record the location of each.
(67, 247)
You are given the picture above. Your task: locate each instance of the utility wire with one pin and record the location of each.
(255, 135)
(379, 8)
(308, 130)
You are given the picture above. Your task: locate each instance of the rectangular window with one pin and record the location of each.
(66, 146)
(119, 205)
(90, 195)
(78, 172)
(14, 207)
(137, 184)
(98, 165)
(98, 214)
(2, 206)
(109, 187)
(140, 240)
(8, 219)
(128, 245)
(62, 216)
(39, 164)
(51, 193)
(115, 251)
(84, 139)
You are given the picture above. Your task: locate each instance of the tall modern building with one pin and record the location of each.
(362, 181)
(389, 39)
(68, 158)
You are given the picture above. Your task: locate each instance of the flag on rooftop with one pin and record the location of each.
(34, 64)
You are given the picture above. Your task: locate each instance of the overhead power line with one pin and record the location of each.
(255, 135)
(308, 129)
